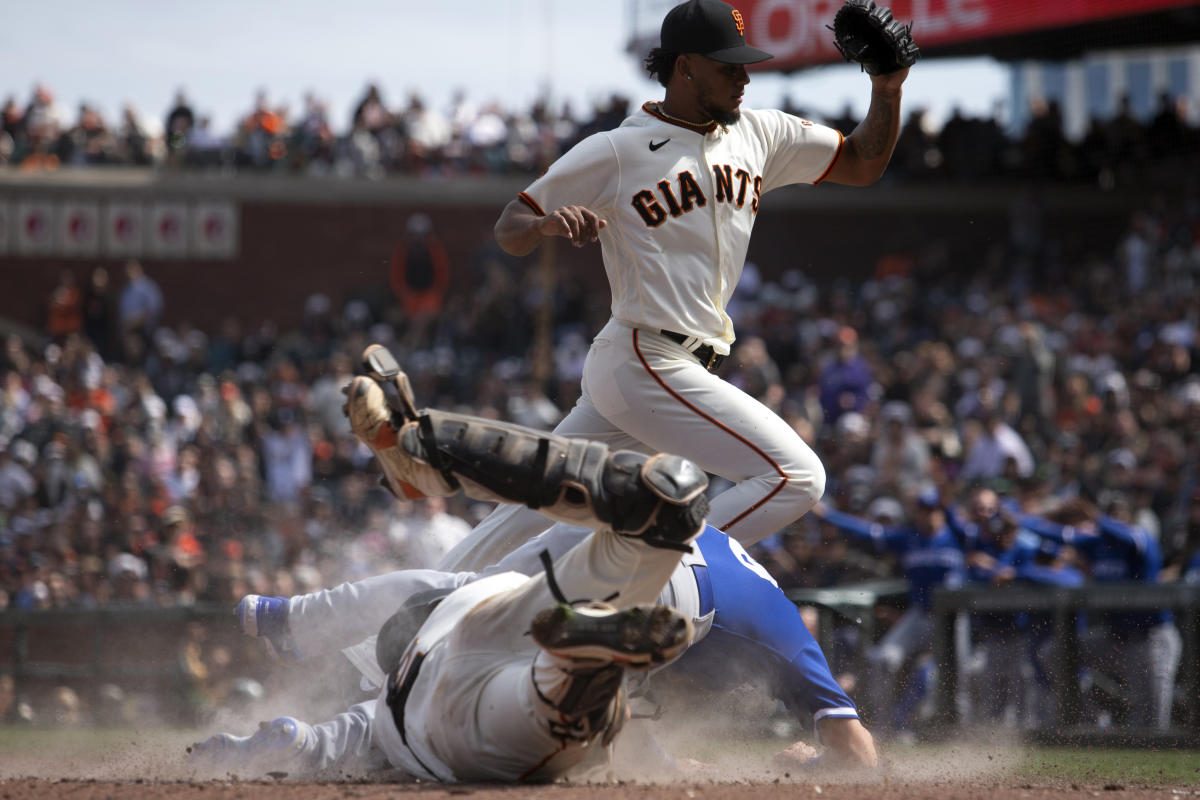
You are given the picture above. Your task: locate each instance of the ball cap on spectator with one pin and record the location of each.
(929, 498)
(711, 28)
(886, 508)
(896, 411)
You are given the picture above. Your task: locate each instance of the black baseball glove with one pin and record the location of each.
(868, 34)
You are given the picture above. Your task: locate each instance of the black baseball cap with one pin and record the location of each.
(711, 28)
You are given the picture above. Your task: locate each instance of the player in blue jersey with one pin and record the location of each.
(1142, 648)
(931, 555)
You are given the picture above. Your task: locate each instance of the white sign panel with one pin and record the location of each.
(34, 234)
(215, 229)
(167, 230)
(124, 230)
(79, 228)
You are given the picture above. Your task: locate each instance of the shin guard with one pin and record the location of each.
(659, 498)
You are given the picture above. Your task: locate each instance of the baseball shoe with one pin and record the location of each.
(640, 636)
(275, 744)
(384, 429)
(266, 618)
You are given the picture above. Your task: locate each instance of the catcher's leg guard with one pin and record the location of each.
(659, 498)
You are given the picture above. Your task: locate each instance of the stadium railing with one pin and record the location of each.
(1065, 609)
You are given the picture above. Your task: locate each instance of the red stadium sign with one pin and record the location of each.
(794, 30)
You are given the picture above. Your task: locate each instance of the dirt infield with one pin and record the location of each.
(43, 789)
(151, 765)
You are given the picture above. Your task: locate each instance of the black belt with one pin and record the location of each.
(397, 696)
(709, 358)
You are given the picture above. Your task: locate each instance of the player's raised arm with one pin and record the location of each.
(867, 34)
(868, 149)
(520, 229)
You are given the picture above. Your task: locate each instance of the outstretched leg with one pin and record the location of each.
(658, 498)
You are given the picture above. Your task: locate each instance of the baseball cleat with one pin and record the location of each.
(394, 439)
(274, 744)
(383, 367)
(640, 636)
(266, 618)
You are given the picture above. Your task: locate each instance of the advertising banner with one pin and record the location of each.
(794, 30)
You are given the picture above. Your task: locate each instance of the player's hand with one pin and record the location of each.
(794, 757)
(980, 559)
(580, 225)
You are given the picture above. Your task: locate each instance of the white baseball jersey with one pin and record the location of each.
(680, 201)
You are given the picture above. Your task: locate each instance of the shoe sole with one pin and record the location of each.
(638, 636)
(384, 368)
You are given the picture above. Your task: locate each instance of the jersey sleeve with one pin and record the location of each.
(586, 175)
(799, 151)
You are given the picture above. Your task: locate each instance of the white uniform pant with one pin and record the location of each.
(343, 744)
(644, 392)
(474, 709)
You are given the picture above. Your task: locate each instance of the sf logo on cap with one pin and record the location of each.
(741, 25)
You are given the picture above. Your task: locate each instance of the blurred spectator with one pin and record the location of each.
(97, 313)
(847, 379)
(899, 456)
(995, 450)
(64, 309)
(180, 120)
(139, 307)
(473, 138)
(419, 275)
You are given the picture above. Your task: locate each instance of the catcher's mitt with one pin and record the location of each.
(868, 34)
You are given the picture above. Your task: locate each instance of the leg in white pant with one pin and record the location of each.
(344, 742)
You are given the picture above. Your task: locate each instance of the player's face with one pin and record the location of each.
(719, 88)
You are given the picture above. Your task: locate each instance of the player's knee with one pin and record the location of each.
(806, 483)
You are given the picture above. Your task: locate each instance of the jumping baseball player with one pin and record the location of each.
(730, 598)
(672, 195)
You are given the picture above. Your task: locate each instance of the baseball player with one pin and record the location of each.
(672, 195)
(505, 680)
(730, 597)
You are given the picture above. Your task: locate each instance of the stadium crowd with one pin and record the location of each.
(414, 137)
(1022, 422)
